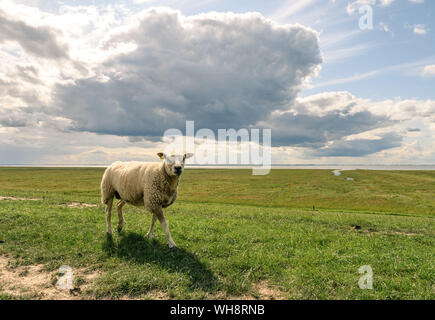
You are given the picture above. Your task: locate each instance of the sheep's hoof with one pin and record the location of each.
(149, 235)
(120, 226)
(172, 245)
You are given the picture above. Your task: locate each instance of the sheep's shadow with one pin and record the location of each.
(133, 246)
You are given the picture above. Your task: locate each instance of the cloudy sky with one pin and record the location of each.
(91, 82)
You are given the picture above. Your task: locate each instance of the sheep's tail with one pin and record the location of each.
(107, 191)
(106, 188)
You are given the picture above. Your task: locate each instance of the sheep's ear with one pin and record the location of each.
(161, 155)
(188, 155)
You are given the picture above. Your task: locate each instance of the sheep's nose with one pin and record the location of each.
(177, 169)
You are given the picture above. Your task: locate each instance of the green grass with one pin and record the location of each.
(233, 231)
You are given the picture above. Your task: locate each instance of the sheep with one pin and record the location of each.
(153, 185)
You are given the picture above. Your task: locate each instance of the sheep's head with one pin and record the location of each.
(174, 164)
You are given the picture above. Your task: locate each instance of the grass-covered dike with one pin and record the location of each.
(293, 234)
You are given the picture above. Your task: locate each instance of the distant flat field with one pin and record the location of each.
(398, 192)
(292, 234)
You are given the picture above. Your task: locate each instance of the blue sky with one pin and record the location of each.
(370, 100)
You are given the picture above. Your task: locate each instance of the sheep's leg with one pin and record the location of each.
(121, 221)
(150, 231)
(164, 223)
(108, 215)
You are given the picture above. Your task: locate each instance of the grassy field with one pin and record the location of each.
(294, 234)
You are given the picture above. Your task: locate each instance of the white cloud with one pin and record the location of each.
(429, 70)
(385, 3)
(420, 29)
(384, 27)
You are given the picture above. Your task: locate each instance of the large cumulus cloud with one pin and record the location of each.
(222, 70)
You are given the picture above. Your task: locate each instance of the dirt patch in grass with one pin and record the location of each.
(79, 205)
(19, 198)
(268, 292)
(156, 295)
(34, 282)
(262, 290)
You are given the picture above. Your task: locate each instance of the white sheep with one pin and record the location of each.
(153, 185)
